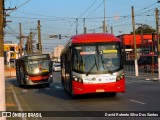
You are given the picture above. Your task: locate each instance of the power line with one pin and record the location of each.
(89, 14)
(11, 31)
(145, 7)
(20, 6)
(95, 9)
(87, 9)
(127, 17)
(81, 15)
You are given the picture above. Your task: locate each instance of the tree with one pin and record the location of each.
(146, 29)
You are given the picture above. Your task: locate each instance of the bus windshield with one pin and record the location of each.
(37, 66)
(97, 58)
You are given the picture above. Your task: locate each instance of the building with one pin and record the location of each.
(57, 52)
(11, 53)
(143, 43)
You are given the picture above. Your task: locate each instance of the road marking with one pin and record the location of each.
(47, 88)
(24, 91)
(17, 102)
(137, 101)
(58, 87)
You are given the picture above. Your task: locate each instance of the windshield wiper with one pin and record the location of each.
(92, 67)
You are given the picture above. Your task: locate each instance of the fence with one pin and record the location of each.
(129, 71)
(143, 73)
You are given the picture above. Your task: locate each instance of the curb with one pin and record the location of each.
(143, 78)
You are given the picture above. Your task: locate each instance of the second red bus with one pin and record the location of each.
(92, 63)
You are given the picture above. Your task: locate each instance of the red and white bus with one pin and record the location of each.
(34, 70)
(92, 63)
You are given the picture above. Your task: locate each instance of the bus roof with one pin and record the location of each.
(34, 56)
(94, 37)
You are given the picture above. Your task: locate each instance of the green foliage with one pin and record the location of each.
(146, 29)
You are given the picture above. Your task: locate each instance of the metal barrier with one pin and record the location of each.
(130, 70)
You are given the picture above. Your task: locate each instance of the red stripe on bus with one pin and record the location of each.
(39, 77)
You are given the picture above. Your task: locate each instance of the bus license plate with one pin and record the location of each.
(100, 90)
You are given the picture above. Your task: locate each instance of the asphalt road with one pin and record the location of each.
(140, 96)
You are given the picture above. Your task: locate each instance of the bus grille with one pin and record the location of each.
(40, 81)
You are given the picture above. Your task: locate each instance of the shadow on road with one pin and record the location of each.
(59, 93)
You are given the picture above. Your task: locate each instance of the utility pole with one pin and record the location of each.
(142, 39)
(30, 51)
(27, 43)
(111, 29)
(85, 29)
(20, 38)
(104, 22)
(76, 26)
(2, 78)
(39, 37)
(135, 46)
(158, 42)
(141, 31)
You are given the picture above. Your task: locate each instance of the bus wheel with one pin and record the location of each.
(112, 94)
(62, 81)
(20, 84)
(74, 96)
(24, 83)
(47, 84)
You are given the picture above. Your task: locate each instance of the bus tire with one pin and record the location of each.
(74, 96)
(47, 84)
(24, 83)
(112, 94)
(21, 82)
(62, 81)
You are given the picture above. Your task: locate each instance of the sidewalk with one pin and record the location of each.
(10, 101)
(142, 77)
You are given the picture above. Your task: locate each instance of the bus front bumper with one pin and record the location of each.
(39, 80)
(80, 88)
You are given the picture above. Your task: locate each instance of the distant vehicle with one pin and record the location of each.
(148, 62)
(92, 63)
(34, 69)
(56, 67)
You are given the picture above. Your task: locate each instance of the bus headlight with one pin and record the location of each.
(80, 80)
(51, 76)
(77, 79)
(119, 77)
(27, 77)
(37, 70)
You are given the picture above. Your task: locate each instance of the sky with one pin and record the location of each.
(64, 16)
